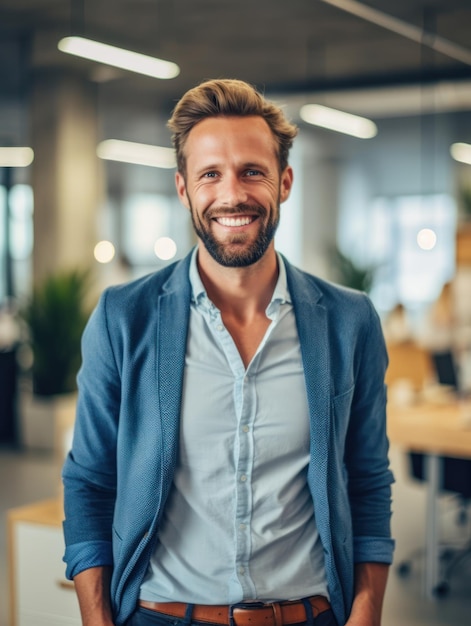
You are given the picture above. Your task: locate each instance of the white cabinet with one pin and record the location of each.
(40, 594)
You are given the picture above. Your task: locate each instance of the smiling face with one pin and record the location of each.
(233, 187)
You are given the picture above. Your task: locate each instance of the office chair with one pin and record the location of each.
(456, 478)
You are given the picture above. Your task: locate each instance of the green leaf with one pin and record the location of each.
(56, 315)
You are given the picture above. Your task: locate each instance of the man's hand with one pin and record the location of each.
(93, 591)
(370, 586)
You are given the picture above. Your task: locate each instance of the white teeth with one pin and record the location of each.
(234, 221)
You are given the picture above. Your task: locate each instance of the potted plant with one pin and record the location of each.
(465, 204)
(463, 231)
(350, 274)
(55, 317)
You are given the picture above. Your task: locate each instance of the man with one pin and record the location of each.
(229, 463)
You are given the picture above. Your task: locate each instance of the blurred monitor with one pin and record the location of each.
(445, 368)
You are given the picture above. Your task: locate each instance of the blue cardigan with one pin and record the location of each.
(119, 472)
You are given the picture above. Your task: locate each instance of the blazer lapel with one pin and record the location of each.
(172, 329)
(312, 324)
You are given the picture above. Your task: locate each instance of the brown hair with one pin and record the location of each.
(228, 97)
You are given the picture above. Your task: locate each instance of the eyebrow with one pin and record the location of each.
(247, 165)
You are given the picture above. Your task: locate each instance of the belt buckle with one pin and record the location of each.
(274, 606)
(243, 605)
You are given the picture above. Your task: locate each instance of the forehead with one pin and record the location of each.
(230, 136)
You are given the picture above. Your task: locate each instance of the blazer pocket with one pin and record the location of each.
(341, 405)
(117, 545)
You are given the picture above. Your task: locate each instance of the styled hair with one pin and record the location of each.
(228, 97)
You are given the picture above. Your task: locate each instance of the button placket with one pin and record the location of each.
(246, 419)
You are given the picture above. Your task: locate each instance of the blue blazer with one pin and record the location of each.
(119, 472)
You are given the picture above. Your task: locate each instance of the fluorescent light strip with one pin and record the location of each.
(16, 157)
(136, 153)
(338, 121)
(118, 57)
(400, 27)
(461, 152)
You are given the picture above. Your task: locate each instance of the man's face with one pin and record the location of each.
(233, 187)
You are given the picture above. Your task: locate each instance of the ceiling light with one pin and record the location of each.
(16, 157)
(137, 153)
(461, 152)
(403, 28)
(339, 121)
(118, 57)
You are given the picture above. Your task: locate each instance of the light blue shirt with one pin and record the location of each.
(239, 523)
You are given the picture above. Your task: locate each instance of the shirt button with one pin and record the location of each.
(242, 526)
(220, 327)
(245, 429)
(243, 478)
(241, 570)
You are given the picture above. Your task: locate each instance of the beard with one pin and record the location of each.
(235, 251)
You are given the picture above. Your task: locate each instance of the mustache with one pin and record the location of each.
(239, 209)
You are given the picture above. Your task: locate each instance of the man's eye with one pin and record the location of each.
(253, 173)
(210, 175)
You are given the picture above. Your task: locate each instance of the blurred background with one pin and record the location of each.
(405, 65)
(380, 90)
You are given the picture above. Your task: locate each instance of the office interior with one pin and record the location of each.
(388, 213)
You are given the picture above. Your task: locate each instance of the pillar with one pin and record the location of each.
(67, 175)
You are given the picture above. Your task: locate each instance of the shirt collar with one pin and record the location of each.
(200, 297)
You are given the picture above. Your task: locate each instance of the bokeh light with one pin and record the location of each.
(426, 239)
(165, 248)
(104, 251)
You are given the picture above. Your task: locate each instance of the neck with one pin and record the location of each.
(241, 291)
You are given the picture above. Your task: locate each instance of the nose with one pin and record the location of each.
(232, 190)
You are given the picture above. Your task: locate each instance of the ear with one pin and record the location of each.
(286, 183)
(181, 189)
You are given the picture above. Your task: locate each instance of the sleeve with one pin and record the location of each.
(89, 472)
(82, 556)
(366, 457)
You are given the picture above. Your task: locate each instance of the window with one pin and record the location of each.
(16, 239)
(147, 218)
(410, 240)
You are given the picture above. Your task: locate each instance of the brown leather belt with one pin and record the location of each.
(244, 614)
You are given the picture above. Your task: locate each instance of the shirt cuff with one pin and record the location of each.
(82, 556)
(373, 549)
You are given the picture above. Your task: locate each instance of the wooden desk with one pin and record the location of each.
(437, 430)
(39, 592)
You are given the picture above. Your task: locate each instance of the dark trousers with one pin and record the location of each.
(144, 617)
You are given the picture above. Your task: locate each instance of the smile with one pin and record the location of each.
(234, 221)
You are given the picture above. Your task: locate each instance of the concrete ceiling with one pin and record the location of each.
(296, 49)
